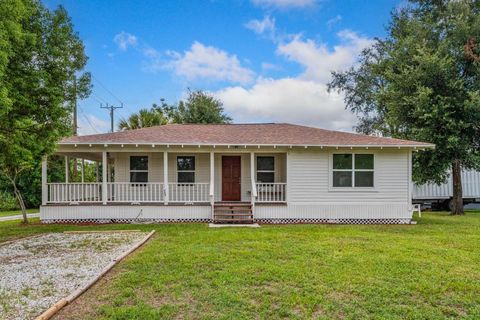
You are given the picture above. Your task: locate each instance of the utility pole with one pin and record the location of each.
(75, 124)
(112, 110)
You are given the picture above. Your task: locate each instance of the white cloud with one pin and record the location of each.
(89, 124)
(207, 62)
(284, 4)
(124, 39)
(266, 66)
(319, 60)
(266, 26)
(334, 21)
(287, 100)
(303, 99)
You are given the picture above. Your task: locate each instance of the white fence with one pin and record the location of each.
(271, 192)
(188, 192)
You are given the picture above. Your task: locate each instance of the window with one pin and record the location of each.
(266, 169)
(352, 170)
(185, 169)
(139, 169)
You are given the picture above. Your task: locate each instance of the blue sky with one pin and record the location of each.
(267, 60)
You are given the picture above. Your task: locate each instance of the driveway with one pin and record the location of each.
(19, 217)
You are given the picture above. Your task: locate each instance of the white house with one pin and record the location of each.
(269, 173)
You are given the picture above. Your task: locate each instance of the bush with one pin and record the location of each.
(7, 201)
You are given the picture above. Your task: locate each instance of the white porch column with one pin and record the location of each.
(252, 177)
(212, 176)
(82, 166)
(67, 169)
(104, 177)
(44, 182)
(165, 177)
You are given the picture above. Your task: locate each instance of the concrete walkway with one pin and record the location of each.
(19, 217)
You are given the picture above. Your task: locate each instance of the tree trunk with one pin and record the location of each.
(21, 203)
(457, 200)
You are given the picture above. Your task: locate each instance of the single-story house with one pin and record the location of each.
(268, 173)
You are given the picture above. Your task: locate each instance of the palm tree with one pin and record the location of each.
(142, 119)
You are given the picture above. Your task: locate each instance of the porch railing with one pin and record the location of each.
(271, 192)
(74, 192)
(135, 192)
(188, 192)
(127, 192)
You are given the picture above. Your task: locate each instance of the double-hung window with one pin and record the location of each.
(353, 170)
(186, 169)
(265, 169)
(139, 169)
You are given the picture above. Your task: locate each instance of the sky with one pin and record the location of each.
(266, 60)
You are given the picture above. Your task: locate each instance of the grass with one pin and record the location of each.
(426, 271)
(16, 212)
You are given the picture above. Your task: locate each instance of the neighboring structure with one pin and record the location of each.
(269, 173)
(440, 196)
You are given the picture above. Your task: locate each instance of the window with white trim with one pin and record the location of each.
(186, 169)
(265, 169)
(139, 169)
(353, 170)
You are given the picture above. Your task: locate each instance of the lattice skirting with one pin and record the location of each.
(262, 221)
(335, 221)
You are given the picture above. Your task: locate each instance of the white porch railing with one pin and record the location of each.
(74, 192)
(188, 192)
(271, 192)
(135, 192)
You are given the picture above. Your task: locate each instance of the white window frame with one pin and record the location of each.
(177, 171)
(130, 170)
(353, 170)
(266, 171)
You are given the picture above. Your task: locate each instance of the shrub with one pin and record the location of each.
(7, 201)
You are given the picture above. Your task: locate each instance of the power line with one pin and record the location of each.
(88, 120)
(106, 89)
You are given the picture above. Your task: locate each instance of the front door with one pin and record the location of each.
(231, 178)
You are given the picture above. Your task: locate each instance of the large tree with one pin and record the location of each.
(199, 107)
(423, 82)
(40, 54)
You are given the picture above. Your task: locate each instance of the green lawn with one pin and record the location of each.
(17, 212)
(426, 271)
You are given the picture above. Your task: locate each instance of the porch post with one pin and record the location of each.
(104, 177)
(252, 177)
(165, 177)
(44, 181)
(212, 179)
(82, 170)
(67, 169)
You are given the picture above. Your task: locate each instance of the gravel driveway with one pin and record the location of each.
(36, 272)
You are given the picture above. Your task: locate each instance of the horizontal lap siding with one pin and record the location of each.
(310, 195)
(124, 212)
(308, 179)
(155, 166)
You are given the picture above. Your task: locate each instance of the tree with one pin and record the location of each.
(143, 118)
(423, 82)
(40, 53)
(199, 107)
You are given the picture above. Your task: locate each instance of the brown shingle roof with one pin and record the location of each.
(239, 134)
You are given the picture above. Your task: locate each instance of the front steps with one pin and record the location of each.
(232, 213)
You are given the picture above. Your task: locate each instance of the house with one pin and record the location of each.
(269, 173)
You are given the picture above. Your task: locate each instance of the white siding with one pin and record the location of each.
(122, 166)
(101, 212)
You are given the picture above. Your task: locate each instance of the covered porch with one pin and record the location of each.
(179, 176)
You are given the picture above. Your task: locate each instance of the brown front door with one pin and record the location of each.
(231, 178)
